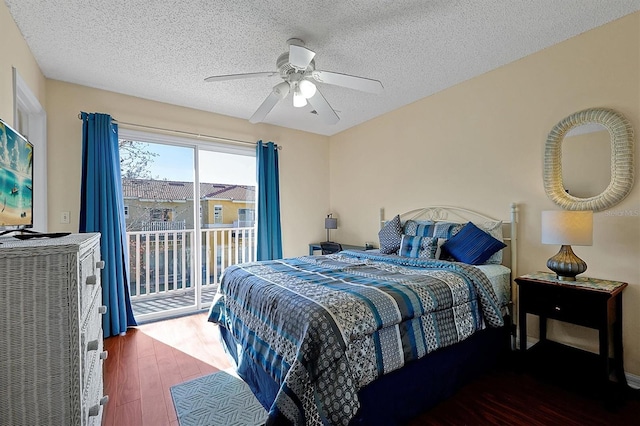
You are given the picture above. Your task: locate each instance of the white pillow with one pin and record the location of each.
(495, 230)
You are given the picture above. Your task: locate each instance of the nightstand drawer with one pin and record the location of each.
(564, 304)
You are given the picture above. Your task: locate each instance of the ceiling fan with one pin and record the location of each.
(298, 70)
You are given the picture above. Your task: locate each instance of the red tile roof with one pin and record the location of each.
(167, 190)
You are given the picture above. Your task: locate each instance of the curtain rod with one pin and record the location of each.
(197, 135)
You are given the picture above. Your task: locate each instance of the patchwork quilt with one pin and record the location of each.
(323, 327)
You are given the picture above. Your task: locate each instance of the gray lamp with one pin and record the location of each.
(330, 223)
(567, 228)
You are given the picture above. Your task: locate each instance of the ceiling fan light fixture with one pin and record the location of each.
(297, 68)
(298, 99)
(307, 88)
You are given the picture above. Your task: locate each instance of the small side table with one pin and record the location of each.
(589, 302)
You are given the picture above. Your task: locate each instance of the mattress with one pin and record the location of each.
(500, 279)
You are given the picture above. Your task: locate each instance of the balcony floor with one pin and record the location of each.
(144, 305)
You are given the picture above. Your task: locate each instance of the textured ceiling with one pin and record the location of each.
(162, 50)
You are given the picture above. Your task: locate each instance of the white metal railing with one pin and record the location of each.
(162, 263)
(160, 225)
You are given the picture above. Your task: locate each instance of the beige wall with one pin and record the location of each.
(480, 145)
(16, 53)
(304, 158)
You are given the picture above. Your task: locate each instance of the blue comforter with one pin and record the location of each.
(325, 326)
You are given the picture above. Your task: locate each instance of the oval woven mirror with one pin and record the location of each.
(622, 150)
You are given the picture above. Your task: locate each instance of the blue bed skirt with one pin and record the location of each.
(401, 395)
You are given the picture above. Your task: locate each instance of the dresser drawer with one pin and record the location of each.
(563, 303)
(92, 361)
(90, 271)
(91, 337)
(93, 398)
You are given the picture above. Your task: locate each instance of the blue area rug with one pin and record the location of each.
(219, 399)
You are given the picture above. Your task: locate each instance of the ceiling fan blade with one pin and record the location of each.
(349, 81)
(265, 108)
(279, 92)
(240, 76)
(322, 107)
(300, 57)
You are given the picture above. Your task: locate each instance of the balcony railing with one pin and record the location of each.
(162, 263)
(160, 225)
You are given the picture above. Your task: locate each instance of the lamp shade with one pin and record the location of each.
(567, 227)
(330, 223)
(298, 99)
(307, 88)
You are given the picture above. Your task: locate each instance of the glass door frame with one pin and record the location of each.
(196, 252)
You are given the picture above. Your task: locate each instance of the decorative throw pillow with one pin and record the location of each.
(471, 245)
(419, 228)
(390, 236)
(446, 230)
(443, 231)
(417, 246)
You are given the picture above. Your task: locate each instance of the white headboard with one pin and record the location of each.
(458, 214)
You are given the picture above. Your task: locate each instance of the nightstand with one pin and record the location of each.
(588, 302)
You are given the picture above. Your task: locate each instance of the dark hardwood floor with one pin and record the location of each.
(506, 397)
(145, 363)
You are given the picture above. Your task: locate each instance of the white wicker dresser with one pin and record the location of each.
(51, 348)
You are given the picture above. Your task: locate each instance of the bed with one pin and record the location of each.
(373, 337)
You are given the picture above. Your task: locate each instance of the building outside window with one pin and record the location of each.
(161, 215)
(164, 228)
(217, 214)
(246, 217)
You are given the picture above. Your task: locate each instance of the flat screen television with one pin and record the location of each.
(16, 180)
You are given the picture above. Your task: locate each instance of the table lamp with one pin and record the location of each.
(567, 228)
(330, 223)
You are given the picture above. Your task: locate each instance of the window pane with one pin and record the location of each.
(158, 189)
(166, 264)
(227, 201)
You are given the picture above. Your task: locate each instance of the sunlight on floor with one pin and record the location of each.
(189, 335)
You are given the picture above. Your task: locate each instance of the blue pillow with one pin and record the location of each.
(419, 247)
(472, 245)
(447, 230)
(418, 228)
(390, 236)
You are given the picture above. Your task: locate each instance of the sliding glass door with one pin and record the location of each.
(227, 214)
(190, 213)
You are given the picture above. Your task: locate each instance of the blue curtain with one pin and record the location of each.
(269, 238)
(102, 210)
